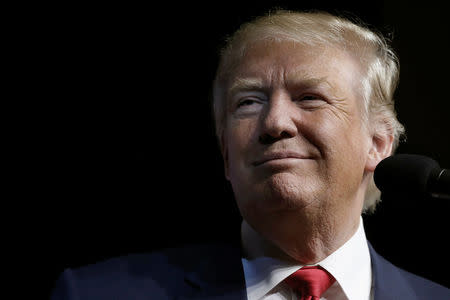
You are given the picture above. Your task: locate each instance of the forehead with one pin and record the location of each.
(269, 63)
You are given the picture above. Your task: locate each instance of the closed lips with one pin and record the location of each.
(279, 155)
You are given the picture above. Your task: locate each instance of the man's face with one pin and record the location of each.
(294, 137)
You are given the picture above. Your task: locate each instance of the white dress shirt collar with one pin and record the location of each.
(350, 265)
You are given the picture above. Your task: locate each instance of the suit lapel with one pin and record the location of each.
(389, 283)
(219, 276)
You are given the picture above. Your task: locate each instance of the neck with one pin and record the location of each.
(300, 241)
(254, 245)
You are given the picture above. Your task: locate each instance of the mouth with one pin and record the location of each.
(278, 156)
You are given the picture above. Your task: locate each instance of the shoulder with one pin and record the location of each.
(396, 282)
(423, 288)
(158, 272)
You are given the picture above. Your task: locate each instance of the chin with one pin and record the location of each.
(285, 191)
(277, 193)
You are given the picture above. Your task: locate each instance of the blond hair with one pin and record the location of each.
(379, 63)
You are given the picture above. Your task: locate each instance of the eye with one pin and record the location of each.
(310, 98)
(249, 105)
(247, 102)
(310, 101)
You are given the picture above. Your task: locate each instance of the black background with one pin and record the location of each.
(117, 153)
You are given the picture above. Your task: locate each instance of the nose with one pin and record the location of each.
(278, 122)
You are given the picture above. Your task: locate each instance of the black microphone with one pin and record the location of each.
(412, 175)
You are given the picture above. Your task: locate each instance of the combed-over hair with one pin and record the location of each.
(379, 64)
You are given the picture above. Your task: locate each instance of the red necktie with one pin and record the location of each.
(310, 282)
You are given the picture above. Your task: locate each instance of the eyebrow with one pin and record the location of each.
(305, 80)
(246, 84)
(301, 79)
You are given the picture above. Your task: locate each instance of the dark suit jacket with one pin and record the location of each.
(208, 272)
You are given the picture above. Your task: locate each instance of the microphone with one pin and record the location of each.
(413, 175)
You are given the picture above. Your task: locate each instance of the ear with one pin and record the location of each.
(381, 148)
(224, 151)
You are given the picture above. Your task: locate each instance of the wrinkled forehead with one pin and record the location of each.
(265, 64)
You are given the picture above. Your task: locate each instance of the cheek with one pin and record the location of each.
(321, 131)
(342, 143)
(239, 137)
(340, 128)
